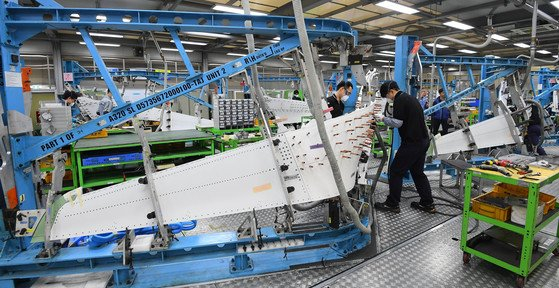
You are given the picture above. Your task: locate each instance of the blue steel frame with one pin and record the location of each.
(157, 77)
(544, 95)
(190, 259)
(501, 67)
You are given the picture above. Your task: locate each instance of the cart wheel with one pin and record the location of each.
(466, 258)
(556, 252)
(520, 281)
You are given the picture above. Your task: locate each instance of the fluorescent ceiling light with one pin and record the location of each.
(191, 43)
(235, 10)
(103, 44)
(451, 69)
(34, 56)
(175, 50)
(277, 38)
(521, 45)
(103, 35)
(236, 54)
(556, 4)
(555, 56)
(328, 62)
(101, 18)
(545, 52)
(386, 36)
(288, 59)
(397, 7)
(384, 54)
(458, 25)
(387, 66)
(493, 56)
(388, 52)
(499, 37)
(467, 51)
(382, 61)
(212, 35)
(438, 45)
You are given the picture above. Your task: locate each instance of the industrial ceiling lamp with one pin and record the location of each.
(397, 7)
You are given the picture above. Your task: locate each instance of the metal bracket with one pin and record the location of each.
(162, 240)
(59, 161)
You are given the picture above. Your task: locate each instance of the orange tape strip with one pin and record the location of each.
(261, 188)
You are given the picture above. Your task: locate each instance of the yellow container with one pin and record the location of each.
(99, 134)
(519, 191)
(491, 211)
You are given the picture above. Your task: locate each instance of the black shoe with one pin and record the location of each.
(429, 208)
(385, 207)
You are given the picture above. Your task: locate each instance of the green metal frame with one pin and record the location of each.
(223, 145)
(109, 180)
(528, 231)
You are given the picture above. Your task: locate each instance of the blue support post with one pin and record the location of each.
(352, 100)
(484, 96)
(182, 52)
(102, 67)
(443, 81)
(404, 44)
(471, 75)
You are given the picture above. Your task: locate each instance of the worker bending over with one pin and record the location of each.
(106, 104)
(409, 119)
(337, 99)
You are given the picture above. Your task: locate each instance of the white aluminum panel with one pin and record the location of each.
(489, 133)
(287, 111)
(228, 183)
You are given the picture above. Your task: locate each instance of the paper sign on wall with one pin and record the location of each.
(13, 79)
(69, 77)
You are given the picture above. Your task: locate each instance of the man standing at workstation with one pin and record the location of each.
(441, 116)
(408, 118)
(337, 99)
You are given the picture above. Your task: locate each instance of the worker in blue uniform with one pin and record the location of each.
(409, 119)
(106, 104)
(441, 116)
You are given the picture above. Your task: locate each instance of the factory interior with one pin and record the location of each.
(276, 143)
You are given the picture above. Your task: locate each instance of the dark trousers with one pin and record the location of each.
(435, 123)
(533, 138)
(409, 157)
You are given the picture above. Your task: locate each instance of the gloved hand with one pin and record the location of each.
(379, 117)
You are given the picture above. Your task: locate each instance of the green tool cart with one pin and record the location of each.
(117, 158)
(507, 244)
(70, 181)
(225, 145)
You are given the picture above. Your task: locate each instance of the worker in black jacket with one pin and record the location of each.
(534, 133)
(409, 119)
(337, 99)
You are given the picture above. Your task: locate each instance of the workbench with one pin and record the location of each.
(511, 245)
(168, 146)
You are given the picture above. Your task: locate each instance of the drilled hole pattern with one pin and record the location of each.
(131, 199)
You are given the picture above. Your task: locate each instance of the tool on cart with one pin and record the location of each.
(520, 168)
(530, 176)
(494, 168)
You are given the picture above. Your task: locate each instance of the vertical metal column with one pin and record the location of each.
(484, 95)
(57, 65)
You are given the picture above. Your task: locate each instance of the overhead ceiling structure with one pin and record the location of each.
(378, 22)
